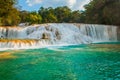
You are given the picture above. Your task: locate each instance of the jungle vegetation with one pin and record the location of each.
(96, 12)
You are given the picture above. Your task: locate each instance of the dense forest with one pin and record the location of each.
(96, 12)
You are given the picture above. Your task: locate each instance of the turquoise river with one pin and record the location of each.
(76, 62)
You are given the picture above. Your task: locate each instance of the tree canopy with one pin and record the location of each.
(9, 15)
(103, 12)
(96, 12)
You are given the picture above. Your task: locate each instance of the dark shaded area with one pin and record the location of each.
(103, 12)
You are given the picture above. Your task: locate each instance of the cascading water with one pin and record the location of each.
(55, 34)
(100, 33)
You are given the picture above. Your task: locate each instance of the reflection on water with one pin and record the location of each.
(78, 62)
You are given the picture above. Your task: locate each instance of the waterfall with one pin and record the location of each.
(100, 33)
(22, 44)
(55, 34)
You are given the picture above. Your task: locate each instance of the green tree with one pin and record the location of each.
(62, 13)
(74, 16)
(47, 15)
(111, 13)
(23, 15)
(103, 12)
(9, 15)
(34, 18)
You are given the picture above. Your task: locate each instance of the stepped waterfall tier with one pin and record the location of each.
(56, 34)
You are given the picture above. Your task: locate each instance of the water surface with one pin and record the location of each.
(78, 62)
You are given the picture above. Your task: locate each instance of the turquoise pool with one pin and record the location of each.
(77, 62)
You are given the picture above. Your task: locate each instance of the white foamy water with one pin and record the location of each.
(55, 34)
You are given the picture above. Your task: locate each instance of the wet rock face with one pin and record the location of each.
(57, 35)
(45, 36)
(2, 36)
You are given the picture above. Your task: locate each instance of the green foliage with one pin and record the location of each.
(75, 17)
(23, 15)
(34, 18)
(47, 15)
(9, 15)
(111, 13)
(97, 11)
(103, 12)
(30, 17)
(62, 13)
(59, 14)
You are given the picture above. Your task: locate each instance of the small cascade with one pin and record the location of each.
(9, 32)
(101, 33)
(22, 44)
(55, 34)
